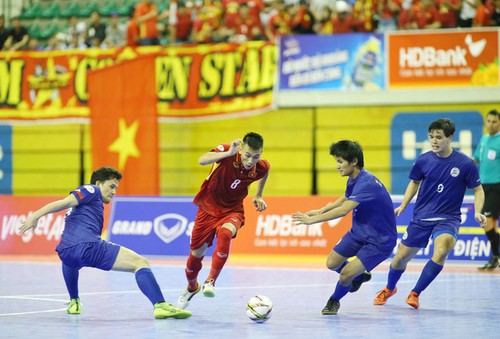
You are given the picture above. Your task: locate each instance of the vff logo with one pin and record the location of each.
(171, 226)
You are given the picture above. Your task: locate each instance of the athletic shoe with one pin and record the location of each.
(164, 310)
(383, 295)
(209, 288)
(186, 297)
(490, 265)
(74, 306)
(412, 300)
(362, 278)
(331, 308)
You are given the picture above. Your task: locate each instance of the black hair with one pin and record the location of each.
(348, 150)
(446, 125)
(254, 140)
(494, 112)
(105, 173)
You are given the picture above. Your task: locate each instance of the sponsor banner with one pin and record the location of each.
(14, 211)
(194, 81)
(5, 159)
(409, 139)
(443, 59)
(472, 244)
(332, 62)
(272, 231)
(153, 226)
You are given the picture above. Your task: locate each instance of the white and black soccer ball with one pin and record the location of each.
(259, 308)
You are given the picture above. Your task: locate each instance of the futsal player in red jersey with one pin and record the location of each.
(220, 207)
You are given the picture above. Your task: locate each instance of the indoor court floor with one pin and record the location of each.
(461, 303)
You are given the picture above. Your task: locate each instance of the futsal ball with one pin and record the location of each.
(259, 308)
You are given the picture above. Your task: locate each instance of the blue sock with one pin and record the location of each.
(393, 278)
(340, 291)
(341, 267)
(148, 285)
(71, 275)
(429, 273)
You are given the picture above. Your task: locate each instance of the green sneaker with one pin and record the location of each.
(74, 306)
(208, 289)
(164, 310)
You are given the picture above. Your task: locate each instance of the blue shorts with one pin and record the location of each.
(370, 254)
(100, 255)
(419, 232)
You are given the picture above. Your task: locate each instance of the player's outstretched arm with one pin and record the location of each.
(410, 192)
(478, 205)
(55, 206)
(211, 157)
(301, 218)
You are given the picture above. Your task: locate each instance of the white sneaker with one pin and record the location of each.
(209, 289)
(186, 296)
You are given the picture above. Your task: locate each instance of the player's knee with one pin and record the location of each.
(345, 277)
(141, 262)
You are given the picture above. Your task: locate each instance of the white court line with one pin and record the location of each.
(32, 312)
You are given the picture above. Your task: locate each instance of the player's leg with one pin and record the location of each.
(491, 210)
(193, 267)
(397, 267)
(129, 261)
(443, 244)
(224, 235)
(71, 276)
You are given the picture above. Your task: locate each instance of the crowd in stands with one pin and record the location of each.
(146, 22)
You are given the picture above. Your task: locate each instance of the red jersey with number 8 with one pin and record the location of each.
(226, 186)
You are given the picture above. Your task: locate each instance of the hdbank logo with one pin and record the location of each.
(171, 226)
(409, 139)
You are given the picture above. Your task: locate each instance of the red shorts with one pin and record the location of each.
(206, 227)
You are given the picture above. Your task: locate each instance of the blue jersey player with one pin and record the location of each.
(441, 177)
(372, 236)
(81, 244)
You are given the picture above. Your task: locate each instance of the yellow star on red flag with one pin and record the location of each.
(125, 144)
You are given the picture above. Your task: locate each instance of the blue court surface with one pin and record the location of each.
(460, 303)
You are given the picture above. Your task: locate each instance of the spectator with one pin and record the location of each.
(388, 12)
(76, 29)
(182, 25)
(468, 12)
(96, 32)
(302, 18)
(246, 27)
(147, 17)
(18, 36)
(56, 42)
(364, 11)
(484, 14)
(75, 43)
(115, 32)
(324, 24)
(4, 33)
(448, 12)
(132, 30)
(280, 22)
(495, 18)
(343, 21)
(426, 15)
(206, 25)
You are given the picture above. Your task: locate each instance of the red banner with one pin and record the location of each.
(124, 123)
(272, 232)
(443, 59)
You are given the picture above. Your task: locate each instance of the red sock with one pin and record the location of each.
(193, 267)
(219, 257)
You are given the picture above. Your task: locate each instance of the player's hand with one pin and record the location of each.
(300, 218)
(312, 213)
(398, 211)
(28, 224)
(234, 146)
(480, 218)
(260, 204)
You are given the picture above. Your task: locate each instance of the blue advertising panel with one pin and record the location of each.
(332, 62)
(5, 159)
(409, 139)
(153, 226)
(472, 243)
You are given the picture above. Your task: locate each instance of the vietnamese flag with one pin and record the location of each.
(124, 125)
